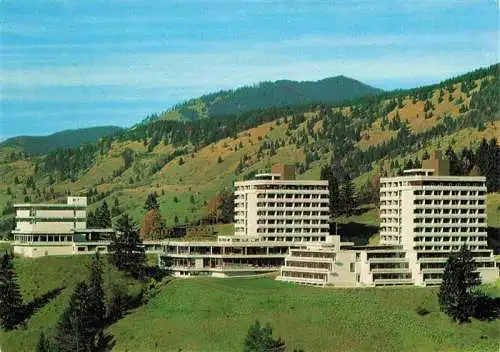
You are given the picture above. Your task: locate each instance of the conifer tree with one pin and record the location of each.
(347, 195)
(10, 296)
(97, 308)
(151, 202)
(103, 216)
(459, 279)
(115, 210)
(127, 253)
(43, 344)
(75, 332)
(333, 188)
(260, 339)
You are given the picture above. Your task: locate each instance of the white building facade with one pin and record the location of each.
(276, 207)
(60, 229)
(273, 214)
(424, 215)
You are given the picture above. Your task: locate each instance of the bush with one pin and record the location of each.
(422, 311)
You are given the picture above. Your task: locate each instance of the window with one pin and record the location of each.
(352, 267)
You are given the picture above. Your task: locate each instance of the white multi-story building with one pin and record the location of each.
(273, 214)
(60, 229)
(276, 207)
(424, 215)
(431, 213)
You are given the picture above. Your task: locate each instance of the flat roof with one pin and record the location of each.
(94, 230)
(283, 182)
(48, 205)
(44, 232)
(434, 178)
(233, 244)
(417, 170)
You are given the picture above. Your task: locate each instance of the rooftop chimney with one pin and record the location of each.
(440, 166)
(287, 172)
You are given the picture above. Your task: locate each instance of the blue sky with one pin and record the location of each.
(69, 64)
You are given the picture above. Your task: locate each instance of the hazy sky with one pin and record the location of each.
(68, 64)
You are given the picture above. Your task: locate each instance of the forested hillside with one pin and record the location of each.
(63, 139)
(191, 165)
(267, 95)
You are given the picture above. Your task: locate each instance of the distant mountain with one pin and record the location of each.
(269, 94)
(66, 138)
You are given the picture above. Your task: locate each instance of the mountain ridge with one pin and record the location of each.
(187, 163)
(61, 139)
(268, 94)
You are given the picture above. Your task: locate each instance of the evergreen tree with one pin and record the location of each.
(455, 164)
(459, 279)
(10, 296)
(75, 331)
(97, 308)
(103, 216)
(127, 253)
(115, 210)
(151, 202)
(333, 188)
(347, 195)
(43, 344)
(226, 207)
(260, 339)
(128, 158)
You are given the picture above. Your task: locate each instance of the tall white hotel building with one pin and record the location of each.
(430, 213)
(282, 224)
(276, 207)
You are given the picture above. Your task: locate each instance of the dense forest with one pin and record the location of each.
(338, 136)
(32, 145)
(318, 136)
(271, 95)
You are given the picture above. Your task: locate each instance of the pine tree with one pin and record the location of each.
(333, 188)
(115, 210)
(97, 308)
(43, 344)
(347, 195)
(260, 339)
(10, 296)
(127, 253)
(103, 216)
(151, 202)
(75, 332)
(455, 164)
(459, 279)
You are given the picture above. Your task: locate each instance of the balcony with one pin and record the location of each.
(390, 270)
(305, 269)
(304, 280)
(393, 281)
(387, 260)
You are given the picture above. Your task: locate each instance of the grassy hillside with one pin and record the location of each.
(215, 314)
(63, 139)
(269, 94)
(188, 315)
(187, 163)
(56, 278)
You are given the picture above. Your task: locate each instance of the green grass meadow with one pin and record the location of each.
(215, 314)
(37, 277)
(206, 314)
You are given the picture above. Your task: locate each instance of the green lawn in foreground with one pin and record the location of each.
(40, 276)
(208, 314)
